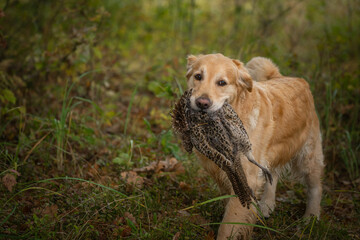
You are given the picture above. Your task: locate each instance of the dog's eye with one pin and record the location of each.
(221, 83)
(198, 77)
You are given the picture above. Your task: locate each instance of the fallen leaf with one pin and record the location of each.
(183, 213)
(85, 185)
(174, 165)
(9, 181)
(130, 217)
(126, 231)
(210, 235)
(153, 167)
(93, 171)
(184, 186)
(105, 179)
(169, 165)
(112, 129)
(50, 210)
(132, 178)
(176, 236)
(119, 221)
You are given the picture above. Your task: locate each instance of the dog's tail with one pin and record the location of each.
(262, 69)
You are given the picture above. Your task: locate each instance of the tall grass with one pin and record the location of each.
(61, 128)
(348, 154)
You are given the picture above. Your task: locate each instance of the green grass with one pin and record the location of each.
(85, 93)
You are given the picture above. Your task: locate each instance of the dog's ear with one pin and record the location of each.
(244, 75)
(190, 60)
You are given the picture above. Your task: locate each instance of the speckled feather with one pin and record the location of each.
(221, 137)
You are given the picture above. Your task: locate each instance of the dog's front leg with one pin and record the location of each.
(267, 202)
(236, 213)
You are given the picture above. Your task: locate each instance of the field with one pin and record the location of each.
(86, 87)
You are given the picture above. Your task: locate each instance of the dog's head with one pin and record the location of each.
(215, 79)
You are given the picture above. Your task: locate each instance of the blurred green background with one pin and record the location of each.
(89, 85)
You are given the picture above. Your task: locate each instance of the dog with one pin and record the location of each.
(279, 115)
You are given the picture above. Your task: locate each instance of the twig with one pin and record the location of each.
(33, 148)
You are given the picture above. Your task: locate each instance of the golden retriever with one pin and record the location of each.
(279, 115)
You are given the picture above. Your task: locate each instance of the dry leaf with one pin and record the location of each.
(93, 170)
(112, 129)
(184, 186)
(130, 217)
(183, 213)
(210, 235)
(169, 165)
(126, 231)
(118, 221)
(9, 181)
(176, 236)
(173, 165)
(85, 184)
(153, 167)
(133, 179)
(105, 179)
(50, 210)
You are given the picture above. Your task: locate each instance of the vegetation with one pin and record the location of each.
(85, 93)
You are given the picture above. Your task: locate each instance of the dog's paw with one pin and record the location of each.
(307, 219)
(266, 207)
(310, 215)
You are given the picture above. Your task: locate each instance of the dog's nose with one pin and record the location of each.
(203, 102)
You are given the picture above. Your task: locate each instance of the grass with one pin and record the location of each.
(61, 128)
(86, 91)
(349, 156)
(129, 110)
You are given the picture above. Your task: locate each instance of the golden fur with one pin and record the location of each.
(279, 115)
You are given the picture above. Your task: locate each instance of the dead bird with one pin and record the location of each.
(221, 137)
